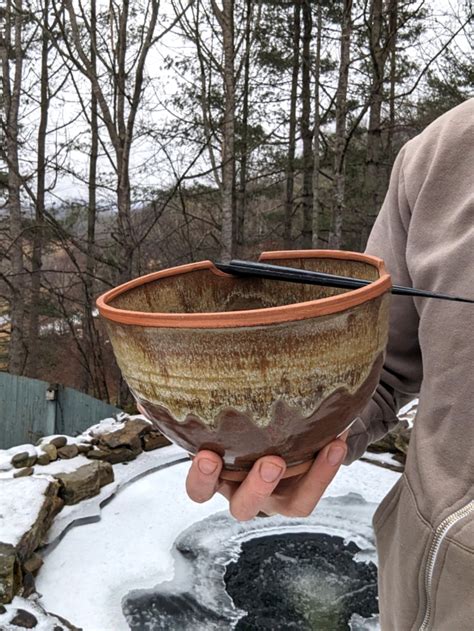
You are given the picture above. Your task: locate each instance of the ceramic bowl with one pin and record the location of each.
(247, 367)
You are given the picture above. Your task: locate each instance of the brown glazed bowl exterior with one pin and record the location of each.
(247, 367)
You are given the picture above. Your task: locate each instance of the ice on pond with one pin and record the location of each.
(274, 573)
(304, 581)
(150, 536)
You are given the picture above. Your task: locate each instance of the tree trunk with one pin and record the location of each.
(306, 135)
(12, 92)
(38, 235)
(226, 20)
(392, 34)
(94, 372)
(335, 239)
(290, 164)
(242, 197)
(374, 179)
(125, 229)
(316, 131)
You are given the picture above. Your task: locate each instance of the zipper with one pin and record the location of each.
(439, 536)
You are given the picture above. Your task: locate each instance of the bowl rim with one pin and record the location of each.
(249, 317)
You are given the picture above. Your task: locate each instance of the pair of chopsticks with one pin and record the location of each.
(295, 275)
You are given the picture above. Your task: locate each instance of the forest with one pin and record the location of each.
(141, 134)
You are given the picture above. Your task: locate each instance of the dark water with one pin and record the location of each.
(293, 581)
(301, 581)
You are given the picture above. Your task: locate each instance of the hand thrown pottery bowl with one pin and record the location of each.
(248, 367)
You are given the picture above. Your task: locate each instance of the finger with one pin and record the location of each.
(227, 488)
(253, 493)
(203, 476)
(314, 483)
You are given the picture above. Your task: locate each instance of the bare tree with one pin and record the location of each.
(225, 17)
(39, 224)
(11, 49)
(118, 109)
(316, 132)
(290, 162)
(306, 133)
(379, 47)
(244, 148)
(340, 145)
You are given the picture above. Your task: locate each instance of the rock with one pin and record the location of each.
(114, 456)
(51, 506)
(43, 459)
(154, 440)
(396, 441)
(18, 459)
(106, 473)
(58, 441)
(33, 564)
(400, 457)
(50, 450)
(97, 454)
(129, 436)
(22, 473)
(10, 573)
(84, 448)
(24, 619)
(402, 439)
(83, 483)
(68, 451)
(121, 454)
(28, 585)
(2, 610)
(384, 465)
(23, 459)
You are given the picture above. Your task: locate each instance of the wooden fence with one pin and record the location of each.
(30, 408)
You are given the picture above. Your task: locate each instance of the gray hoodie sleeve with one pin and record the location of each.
(402, 373)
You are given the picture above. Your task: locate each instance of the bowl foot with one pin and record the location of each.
(238, 476)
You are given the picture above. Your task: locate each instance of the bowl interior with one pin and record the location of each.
(204, 291)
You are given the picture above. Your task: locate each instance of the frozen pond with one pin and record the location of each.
(300, 581)
(155, 560)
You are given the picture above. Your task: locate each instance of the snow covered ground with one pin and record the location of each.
(94, 566)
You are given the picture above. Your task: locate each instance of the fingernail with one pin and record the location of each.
(336, 455)
(269, 472)
(206, 466)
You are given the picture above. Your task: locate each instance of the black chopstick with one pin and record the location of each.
(295, 275)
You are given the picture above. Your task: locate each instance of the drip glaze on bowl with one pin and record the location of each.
(246, 366)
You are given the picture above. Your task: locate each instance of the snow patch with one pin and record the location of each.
(21, 501)
(31, 450)
(124, 474)
(110, 425)
(62, 466)
(45, 622)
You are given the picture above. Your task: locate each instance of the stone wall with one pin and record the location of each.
(36, 482)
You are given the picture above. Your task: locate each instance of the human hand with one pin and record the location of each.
(263, 490)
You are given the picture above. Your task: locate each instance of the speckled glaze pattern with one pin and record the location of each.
(245, 391)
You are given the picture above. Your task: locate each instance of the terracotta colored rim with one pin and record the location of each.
(238, 476)
(250, 317)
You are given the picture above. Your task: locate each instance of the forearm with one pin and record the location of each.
(377, 419)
